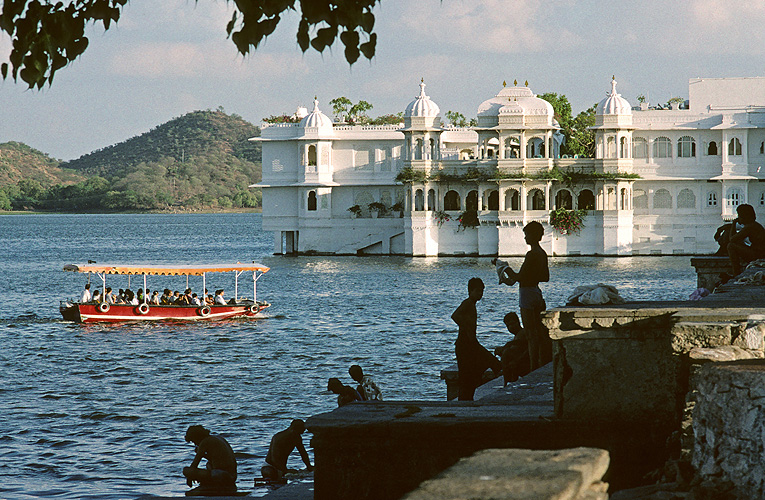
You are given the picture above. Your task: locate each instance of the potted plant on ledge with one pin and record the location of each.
(468, 219)
(397, 210)
(376, 208)
(355, 211)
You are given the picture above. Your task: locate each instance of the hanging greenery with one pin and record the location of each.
(567, 221)
(468, 218)
(441, 217)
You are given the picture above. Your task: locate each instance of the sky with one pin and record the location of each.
(166, 58)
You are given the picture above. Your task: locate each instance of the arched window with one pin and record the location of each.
(466, 154)
(585, 200)
(311, 201)
(431, 199)
(686, 147)
(433, 150)
(418, 149)
(662, 147)
(512, 200)
(536, 200)
(511, 147)
(419, 201)
(563, 199)
(610, 148)
(662, 199)
(639, 199)
(734, 197)
(712, 199)
(452, 201)
(471, 203)
(311, 155)
(493, 200)
(623, 153)
(623, 200)
(712, 149)
(639, 147)
(686, 199)
(734, 147)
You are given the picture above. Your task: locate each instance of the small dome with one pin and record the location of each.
(422, 105)
(316, 118)
(515, 100)
(614, 103)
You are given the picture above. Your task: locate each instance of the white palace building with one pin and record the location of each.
(694, 163)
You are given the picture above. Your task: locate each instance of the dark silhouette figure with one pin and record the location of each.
(345, 394)
(514, 355)
(367, 388)
(472, 358)
(219, 477)
(739, 251)
(280, 448)
(533, 271)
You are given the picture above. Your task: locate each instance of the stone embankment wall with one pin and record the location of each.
(513, 474)
(729, 427)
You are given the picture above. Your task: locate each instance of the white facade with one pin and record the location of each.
(695, 166)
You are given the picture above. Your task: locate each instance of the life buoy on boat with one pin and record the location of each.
(254, 309)
(143, 308)
(204, 311)
(103, 307)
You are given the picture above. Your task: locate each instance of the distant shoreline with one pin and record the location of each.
(188, 211)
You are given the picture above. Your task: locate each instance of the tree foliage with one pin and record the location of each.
(580, 141)
(47, 35)
(458, 119)
(344, 110)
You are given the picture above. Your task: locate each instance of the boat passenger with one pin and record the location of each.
(120, 299)
(154, 298)
(165, 298)
(108, 295)
(96, 296)
(209, 300)
(219, 300)
(86, 294)
(195, 300)
(176, 298)
(140, 295)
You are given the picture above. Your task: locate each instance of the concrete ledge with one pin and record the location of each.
(512, 474)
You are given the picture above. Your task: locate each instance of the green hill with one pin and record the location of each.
(201, 160)
(21, 162)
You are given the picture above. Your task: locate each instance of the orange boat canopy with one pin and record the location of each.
(165, 270)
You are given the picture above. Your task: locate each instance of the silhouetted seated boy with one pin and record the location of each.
(738, 250)
(219, 477)
(515, 354)
(280, 448)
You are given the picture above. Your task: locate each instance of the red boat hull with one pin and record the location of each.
(113, 313)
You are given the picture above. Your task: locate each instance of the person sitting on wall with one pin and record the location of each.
(367, 388)
(748, 243)
(219, 477)
(345, 394)
(514, 355)
(472, 358)
(280, 448)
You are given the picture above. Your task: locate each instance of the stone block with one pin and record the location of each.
(751, 336)
(687, 335)
(719, 354)
(514, 474)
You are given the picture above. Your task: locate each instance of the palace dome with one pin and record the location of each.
(614, 103)
(515, 100)
(316, 118)
(422, 106)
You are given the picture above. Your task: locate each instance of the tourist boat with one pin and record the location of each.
(92, 312)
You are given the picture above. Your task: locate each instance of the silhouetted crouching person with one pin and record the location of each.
(345, 393)
(219, 477)
(514, 355)
(472, 358)
(280, 448)
(738, 250)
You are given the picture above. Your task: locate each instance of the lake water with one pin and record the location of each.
(100, 411)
